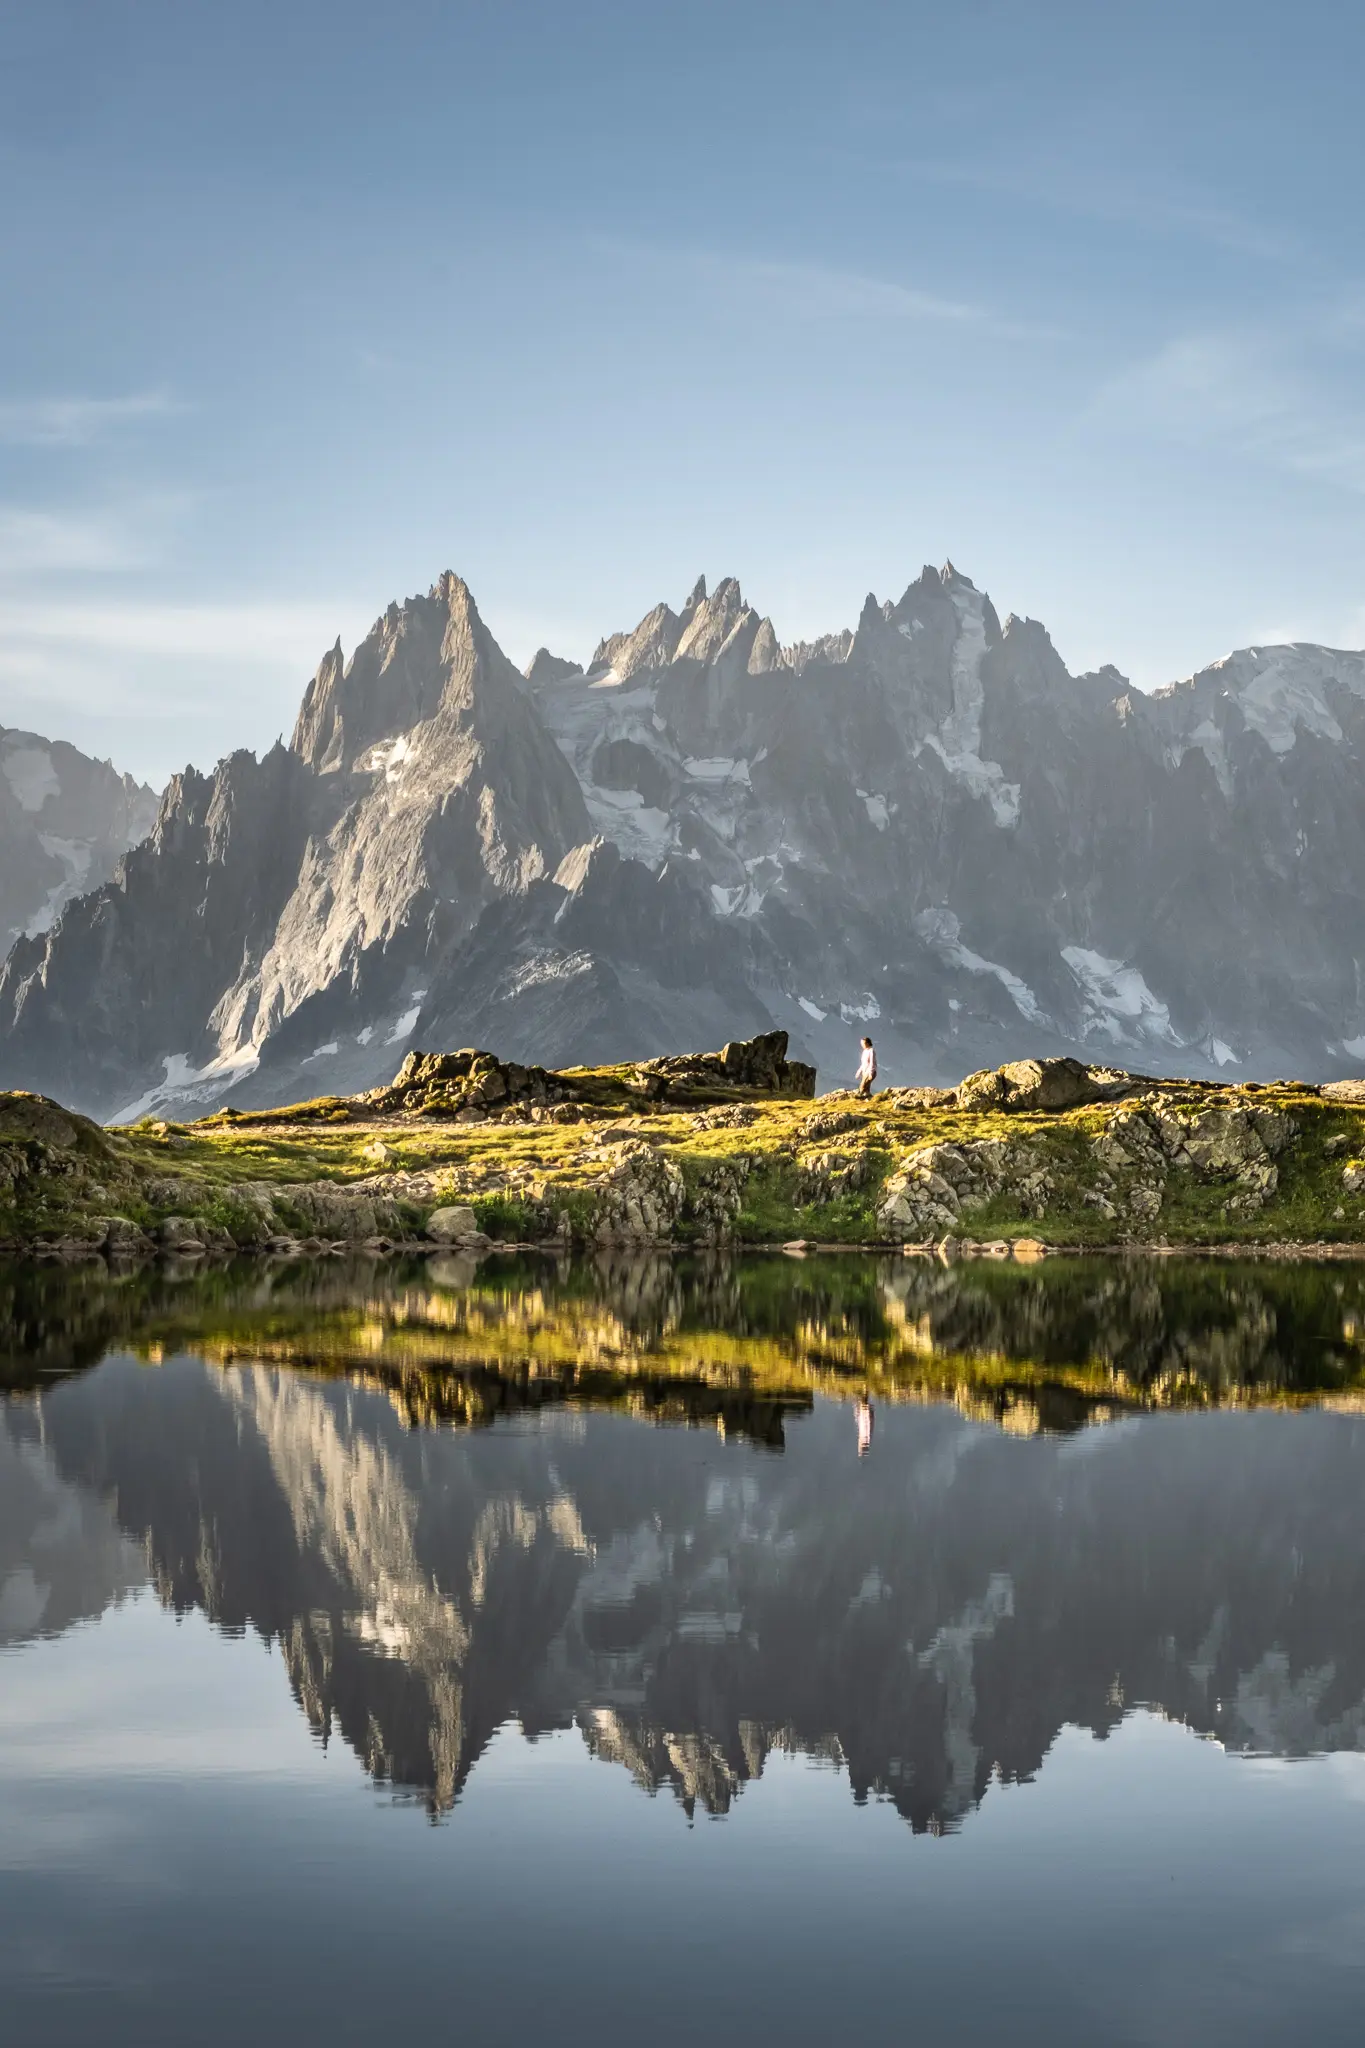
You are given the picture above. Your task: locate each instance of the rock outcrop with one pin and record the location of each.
(758, 1063)
(1136, 1160)
(1041, 1084)
(472, 1085)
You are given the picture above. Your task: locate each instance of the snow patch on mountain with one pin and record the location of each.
(1208, 738)
(1283, 696)
(958, 740)
(718, 768)
(744, 900)
(183, 1083)
(407, 1023)
(1117, 999)
(942, 929)
(1280, 692)
(388, 757)
(641, 831)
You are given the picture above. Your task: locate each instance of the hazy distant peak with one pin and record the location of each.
(545, 668)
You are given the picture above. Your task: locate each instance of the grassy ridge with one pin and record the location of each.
(526, 1179)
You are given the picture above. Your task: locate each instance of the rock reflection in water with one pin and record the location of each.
(1049, 1347)
(929, 1615)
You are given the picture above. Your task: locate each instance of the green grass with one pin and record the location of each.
(516, 1175)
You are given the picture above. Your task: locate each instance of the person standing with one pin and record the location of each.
(867, 1070)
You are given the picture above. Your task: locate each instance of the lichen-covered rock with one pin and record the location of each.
(825, 1176)
(1228, 1141)
(45, 1150)
(936, 1183)
(332, 1212)
(716, 1200)
(828, 1123)
(36, 1119)
(640, 1197)
(178, 1233)
(121, 1238)
(759, 1063)
(1039, 1084)
(733, 1117)
(469, 1085)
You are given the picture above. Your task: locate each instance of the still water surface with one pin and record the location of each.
(650, 1652)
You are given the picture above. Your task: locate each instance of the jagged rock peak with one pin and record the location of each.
(716, 621)
(421, 656)
(705, 625)
(545, 668)
(1019, 626)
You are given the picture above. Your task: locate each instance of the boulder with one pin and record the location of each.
(124, 1239)
(178, 1233)
(1039, 1084)
(36, 1119)
(453, 1223)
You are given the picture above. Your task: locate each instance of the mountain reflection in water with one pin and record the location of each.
(930, 1614)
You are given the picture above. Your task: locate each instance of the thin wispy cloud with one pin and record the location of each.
(40, 543)
(296, 634)
(825, 292)
(1260, 394)
(110, 537)
(796, 289)
(1082, 187)
(105, 674)
(76, 422)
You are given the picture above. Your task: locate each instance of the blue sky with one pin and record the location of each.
(305, 303)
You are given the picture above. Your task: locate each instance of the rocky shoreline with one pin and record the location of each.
(729, 1149)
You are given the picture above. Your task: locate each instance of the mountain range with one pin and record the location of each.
(923, 827)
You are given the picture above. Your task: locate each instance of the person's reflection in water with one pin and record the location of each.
(865, 1420)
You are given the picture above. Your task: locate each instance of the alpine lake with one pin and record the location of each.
(683, 1649)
